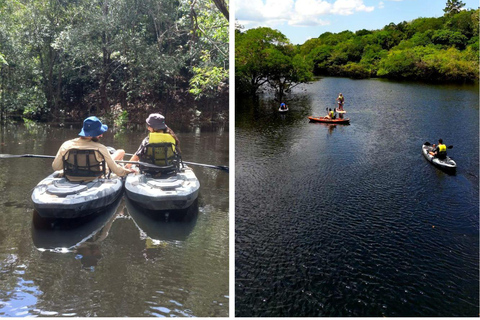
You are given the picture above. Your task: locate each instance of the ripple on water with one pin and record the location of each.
(353, 221)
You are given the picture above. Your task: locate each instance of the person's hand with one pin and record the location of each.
(135, 171)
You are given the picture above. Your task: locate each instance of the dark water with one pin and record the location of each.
(123, 262)
(352, 220)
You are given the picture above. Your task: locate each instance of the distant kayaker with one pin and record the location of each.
(283, 106)
(340, 100)
(90, 134)
(159, 131)
(439, 151)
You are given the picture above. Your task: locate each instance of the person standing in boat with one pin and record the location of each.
(155, 125)
(340, 100)
(440, 151)
(89, 136)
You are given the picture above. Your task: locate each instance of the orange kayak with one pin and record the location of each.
(328, 120)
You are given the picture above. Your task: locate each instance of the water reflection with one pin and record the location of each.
(159, 227)
(80, 235)
(329, 126)
(168, 225)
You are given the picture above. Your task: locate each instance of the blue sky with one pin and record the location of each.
(301, 20)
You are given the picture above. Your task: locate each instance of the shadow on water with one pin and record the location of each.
(168, 225)
(81, 235)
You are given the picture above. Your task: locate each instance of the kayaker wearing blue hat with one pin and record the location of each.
(90, 134)
(159, 131)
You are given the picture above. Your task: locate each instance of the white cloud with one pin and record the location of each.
(306, 21)
(271, 13)
(381, 5)
(312, 7)
(348, 7)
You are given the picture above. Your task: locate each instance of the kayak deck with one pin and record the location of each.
(178, 191)
(328, 120)
(56, 197)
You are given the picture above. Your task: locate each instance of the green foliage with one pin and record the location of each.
(86, 56)
(265, 56)
(2, 59)
(121, 120)
(444, 48)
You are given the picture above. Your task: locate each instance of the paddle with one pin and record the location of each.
(8, 156)
(145, 164)
(224, 168)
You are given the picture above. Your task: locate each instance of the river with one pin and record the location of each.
(122, 262)
(351, 220)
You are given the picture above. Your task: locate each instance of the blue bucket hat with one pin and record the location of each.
(92, 127)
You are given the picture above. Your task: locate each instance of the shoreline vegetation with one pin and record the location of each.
(444, 49)
(61, 61)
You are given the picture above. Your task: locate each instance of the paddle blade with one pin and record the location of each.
(450, 147)
(7, 156)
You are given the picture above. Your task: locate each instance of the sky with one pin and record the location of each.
(300, 20)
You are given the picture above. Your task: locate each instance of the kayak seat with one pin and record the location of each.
(88, 164)
(162, 155)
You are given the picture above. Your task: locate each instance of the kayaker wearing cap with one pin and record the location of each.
(91, 132)
(155, 124)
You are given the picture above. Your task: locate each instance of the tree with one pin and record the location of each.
(251, 50)
(453, 7)
(210, 72)
(264, 55)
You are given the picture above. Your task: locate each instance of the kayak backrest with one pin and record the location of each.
(86, 164)
(162, 155)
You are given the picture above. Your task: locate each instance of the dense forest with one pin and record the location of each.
(62, 60)
(427, 49)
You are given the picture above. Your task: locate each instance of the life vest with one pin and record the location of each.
(332, 114)
(442, 148)
(160, 149)
(160, 137)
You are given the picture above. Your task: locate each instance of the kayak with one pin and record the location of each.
(446, 164)
(169, 192)
(328, 120)
(57, 197)
(282, 110)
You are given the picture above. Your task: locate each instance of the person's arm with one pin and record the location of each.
(112, 165)
(133, 158)
(57, 163)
